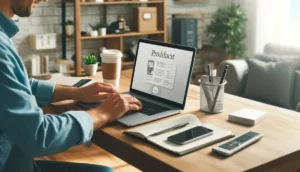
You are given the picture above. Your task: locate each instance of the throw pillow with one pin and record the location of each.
(271, 82)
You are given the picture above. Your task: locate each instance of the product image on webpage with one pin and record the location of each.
(162, 71)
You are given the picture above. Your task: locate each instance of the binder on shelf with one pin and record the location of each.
(39, 65)
(185, 32)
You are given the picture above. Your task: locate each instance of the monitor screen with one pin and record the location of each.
(162, 71)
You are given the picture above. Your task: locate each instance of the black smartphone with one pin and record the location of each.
(81, 82)
(190, 135)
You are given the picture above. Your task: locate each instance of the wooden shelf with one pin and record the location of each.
(123, 35)
(67, 1)
(121, 2)
(113, 41)
(70, 36)
(127, 63)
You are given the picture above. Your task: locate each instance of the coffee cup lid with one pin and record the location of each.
(111, 56)
(112, 53)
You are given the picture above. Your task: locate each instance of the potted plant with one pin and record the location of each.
(70, 28)
(227, 30)
(94, 31)
(90, 64)
(102, 29)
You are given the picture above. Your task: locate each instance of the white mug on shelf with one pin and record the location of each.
(94, 33)
(102, 31)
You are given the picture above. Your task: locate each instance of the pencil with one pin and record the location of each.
(219, 87)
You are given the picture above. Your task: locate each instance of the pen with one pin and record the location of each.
(221, 82)
(178, 126)
(209, 73)
(206, 88)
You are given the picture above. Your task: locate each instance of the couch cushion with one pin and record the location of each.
(271, 82)
(296, 95)
(280, 49)
(277, 58)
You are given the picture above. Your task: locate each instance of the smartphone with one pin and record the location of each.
(82, 82)
(190, 135)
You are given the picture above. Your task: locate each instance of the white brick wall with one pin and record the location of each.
(47, 18)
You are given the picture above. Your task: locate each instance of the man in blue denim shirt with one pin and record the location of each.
(24, 131)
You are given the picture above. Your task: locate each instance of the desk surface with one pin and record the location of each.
(279, 148)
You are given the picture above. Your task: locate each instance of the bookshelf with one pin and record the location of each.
(111, 41)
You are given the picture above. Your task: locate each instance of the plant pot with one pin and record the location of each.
(102, 31)
(94, 33)
(70, 30)
(91, 69)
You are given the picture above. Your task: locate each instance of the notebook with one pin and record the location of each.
(145, 131)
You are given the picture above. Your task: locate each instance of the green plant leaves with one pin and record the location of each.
(228, 30)
(93, 27)
(90, 59)
(101, 25)
(69, 22)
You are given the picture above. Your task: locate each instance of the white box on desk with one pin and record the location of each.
(42, 41)
(247, 116)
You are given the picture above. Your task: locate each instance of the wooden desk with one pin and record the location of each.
(278, 150)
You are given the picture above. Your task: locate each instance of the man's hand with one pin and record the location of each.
(114, 107)
(94, 93)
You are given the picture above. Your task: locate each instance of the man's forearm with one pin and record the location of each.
(99, 120)
(71, 93)
(64, 93)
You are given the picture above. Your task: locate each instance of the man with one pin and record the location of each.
(24, 131)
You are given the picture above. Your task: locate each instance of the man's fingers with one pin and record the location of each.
(102, 83)
(102, 96)
(106, 84)
(133, 100)
(107, 89)
(134, 107)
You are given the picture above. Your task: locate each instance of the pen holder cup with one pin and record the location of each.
(211, 94)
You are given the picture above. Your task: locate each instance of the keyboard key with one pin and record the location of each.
(150, 108)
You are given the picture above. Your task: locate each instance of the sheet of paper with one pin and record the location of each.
(60, 79)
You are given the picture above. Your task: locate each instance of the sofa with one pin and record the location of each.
(272, 77)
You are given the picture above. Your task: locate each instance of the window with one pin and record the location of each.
(294, 23)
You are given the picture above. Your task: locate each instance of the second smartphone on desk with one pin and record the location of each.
(190, 135)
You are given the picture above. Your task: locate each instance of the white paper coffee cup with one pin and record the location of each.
(111, 66)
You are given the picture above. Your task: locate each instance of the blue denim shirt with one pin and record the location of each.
(24, 131)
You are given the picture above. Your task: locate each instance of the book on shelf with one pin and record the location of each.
(39, 65)
(145, 132)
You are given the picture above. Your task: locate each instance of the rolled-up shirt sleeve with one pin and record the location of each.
(43, 91)
(23, 121)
